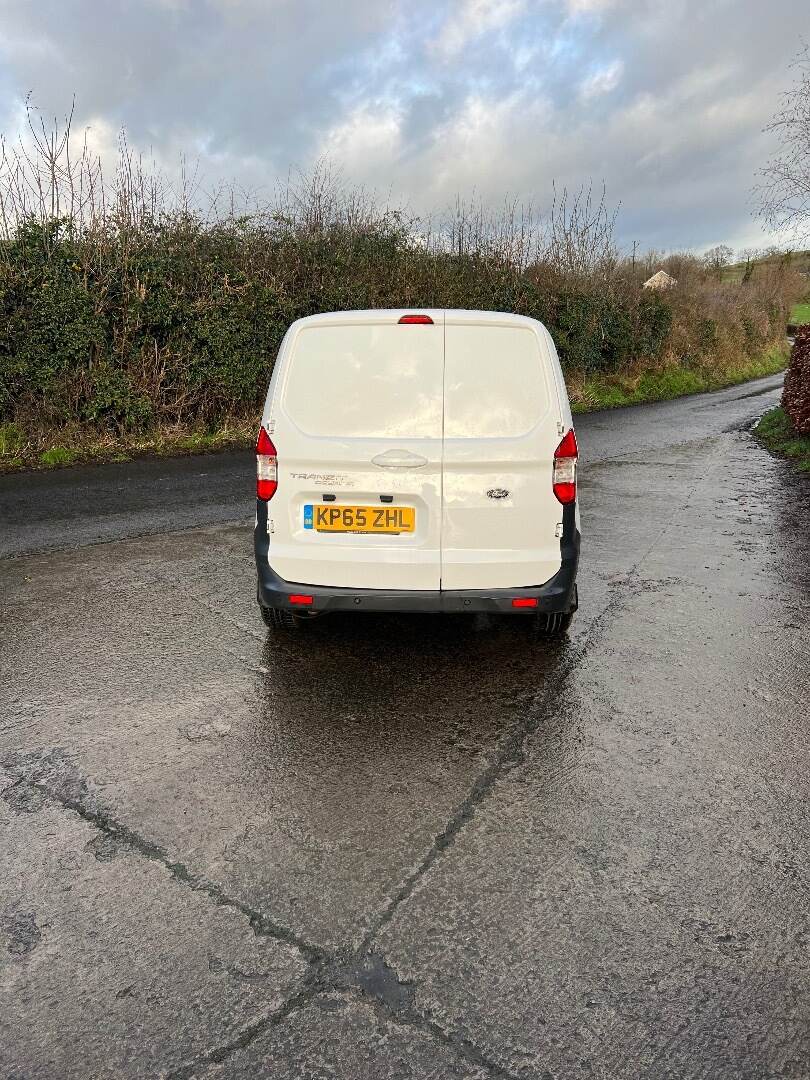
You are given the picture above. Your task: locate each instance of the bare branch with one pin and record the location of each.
(784, 193)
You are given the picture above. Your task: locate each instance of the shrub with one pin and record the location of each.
(112, 401)
(11, 440)
(796, 393)
(50, 326)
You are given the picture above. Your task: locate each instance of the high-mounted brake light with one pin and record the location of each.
(266, 467)
(424, 320)
(565, 469)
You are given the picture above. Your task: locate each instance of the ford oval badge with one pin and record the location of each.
(498, 493)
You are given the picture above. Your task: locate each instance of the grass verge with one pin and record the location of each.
(614, 391)
(775, 432)
(800, 314)
(80, 447)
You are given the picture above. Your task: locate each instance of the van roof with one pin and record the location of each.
(454, 316)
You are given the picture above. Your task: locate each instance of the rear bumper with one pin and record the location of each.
(556, 594)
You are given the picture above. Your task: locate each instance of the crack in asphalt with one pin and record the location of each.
(509, 754)
(260, 923)
(371, 981)
(367, 975)
(248, 1034)
(406, 1017)
(411, 1018)
(511, 750)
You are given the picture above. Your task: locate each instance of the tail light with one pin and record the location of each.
(524, 601)
(565, 468)
(266, 467)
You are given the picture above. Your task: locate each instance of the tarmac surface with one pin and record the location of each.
(423, 846)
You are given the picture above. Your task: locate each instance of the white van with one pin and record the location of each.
(417, 461)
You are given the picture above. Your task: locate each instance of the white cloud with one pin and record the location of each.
(472, 18)
(588, 7)
(602, 81)
(367, 138)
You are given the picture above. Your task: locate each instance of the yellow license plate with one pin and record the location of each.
(328, 517)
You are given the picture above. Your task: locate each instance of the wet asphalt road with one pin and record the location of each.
(410, 847)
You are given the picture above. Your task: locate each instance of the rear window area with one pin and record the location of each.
(375, 380)
(495, 383)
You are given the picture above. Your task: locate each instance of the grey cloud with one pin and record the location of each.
(252, 88)
(244, 78)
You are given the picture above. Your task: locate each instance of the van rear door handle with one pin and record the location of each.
(399, 459)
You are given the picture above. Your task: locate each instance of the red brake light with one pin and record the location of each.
(524, 601)
(565, 468)
(299, 598)
(266, 467)
(424, 320)
(568, 447)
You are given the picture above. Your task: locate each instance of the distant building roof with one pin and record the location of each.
(661, 280)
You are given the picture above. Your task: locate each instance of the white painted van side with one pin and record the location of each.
(503, 413)
(347, 388)
(556, 369)
(565, 405)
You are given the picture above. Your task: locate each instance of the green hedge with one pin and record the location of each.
(179, 321)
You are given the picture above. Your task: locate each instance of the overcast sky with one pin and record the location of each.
(664, 100)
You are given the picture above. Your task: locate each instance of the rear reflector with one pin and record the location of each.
(266, 467)
(423, 320)
(300, 598)
(565, 468)
(524, 601)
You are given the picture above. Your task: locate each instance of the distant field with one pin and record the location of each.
(800, 313)
(799, 260)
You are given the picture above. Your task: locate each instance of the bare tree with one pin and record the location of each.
(580, 232)
(785, 189)
(718, 257)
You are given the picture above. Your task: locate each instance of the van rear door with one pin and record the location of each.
(356, 418)
(501, 416)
